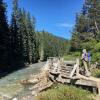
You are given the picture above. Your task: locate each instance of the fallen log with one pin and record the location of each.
(42, 88)
(31, 80)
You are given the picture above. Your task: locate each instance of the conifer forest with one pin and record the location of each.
(21, 44)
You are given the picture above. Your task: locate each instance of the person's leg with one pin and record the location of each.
(89, 64)
(86, 68)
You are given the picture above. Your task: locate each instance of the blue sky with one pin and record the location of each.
(54, 16)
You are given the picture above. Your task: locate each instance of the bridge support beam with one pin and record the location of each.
(99, 90)
(94, 90)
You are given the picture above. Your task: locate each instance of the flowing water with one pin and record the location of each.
(10, 85)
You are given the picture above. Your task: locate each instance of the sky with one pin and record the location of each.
(54, 16)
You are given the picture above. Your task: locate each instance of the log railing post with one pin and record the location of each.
(77, 69)
(98, 87)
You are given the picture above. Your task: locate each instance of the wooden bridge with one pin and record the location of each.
(67, 72)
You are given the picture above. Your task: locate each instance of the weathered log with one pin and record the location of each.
(31, 80)
(40, 89)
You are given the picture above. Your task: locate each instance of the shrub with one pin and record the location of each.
(88, 45)
(97, 47)
(96, 73)
(96, 57)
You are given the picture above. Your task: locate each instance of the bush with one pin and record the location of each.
(96, 73)
(64, 92)
(97, 47)
(88, 45)
(96, 57)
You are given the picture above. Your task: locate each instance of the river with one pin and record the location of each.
(10, 85)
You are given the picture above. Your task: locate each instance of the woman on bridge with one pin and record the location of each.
(85, 62)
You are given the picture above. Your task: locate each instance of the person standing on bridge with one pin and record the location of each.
(85, 62)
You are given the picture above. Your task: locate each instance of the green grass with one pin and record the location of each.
(72, 56)
(96, 72)
(64, 92)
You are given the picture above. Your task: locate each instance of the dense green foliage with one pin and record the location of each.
(4, 36)
(51, 46)
(64, 92)
(86, 33)
(15, 36)
(20, 44)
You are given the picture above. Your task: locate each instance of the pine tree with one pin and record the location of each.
(94, 16)
(4, 36)
(87, 26)
(35, 42)
(75, 42)
(31, 39)
(16, 36)
(24, 35)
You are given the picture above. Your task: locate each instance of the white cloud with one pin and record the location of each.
(66, 25)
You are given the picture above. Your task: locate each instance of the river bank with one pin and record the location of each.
(10, 85)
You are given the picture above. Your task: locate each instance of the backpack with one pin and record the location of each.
(89, 56)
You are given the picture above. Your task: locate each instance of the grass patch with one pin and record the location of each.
(72, 56)
(64, 92)
(96, 72)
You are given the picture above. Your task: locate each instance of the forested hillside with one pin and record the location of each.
(20, 44)
(86, 33)
(51, 46)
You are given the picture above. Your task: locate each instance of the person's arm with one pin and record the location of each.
(82, 57)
